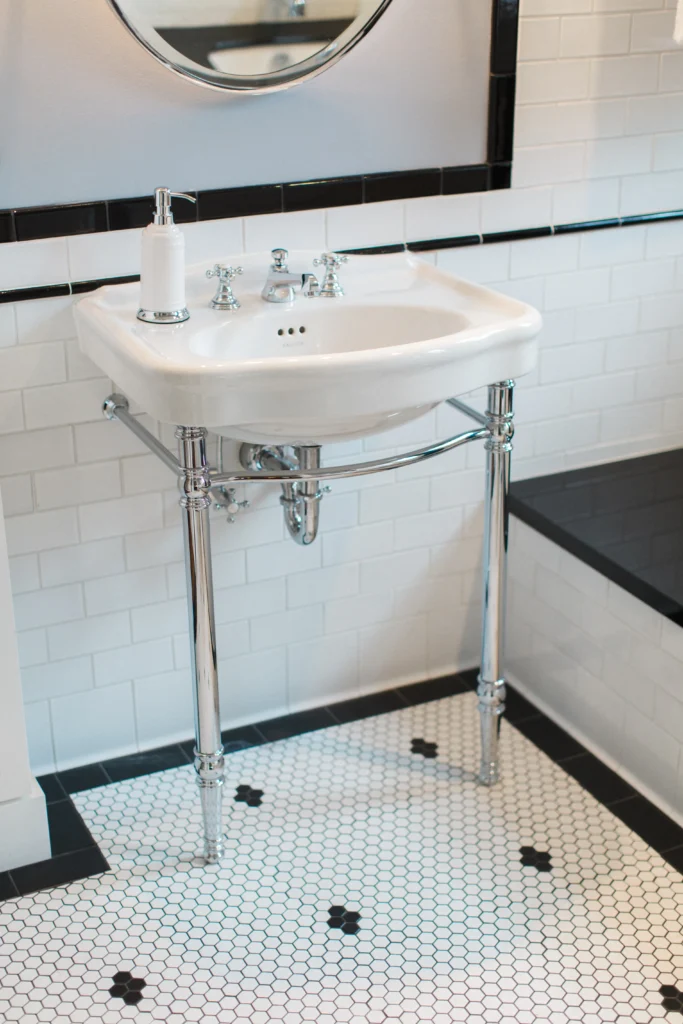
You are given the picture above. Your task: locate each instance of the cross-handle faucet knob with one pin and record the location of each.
(224, 297)
(331, 259)
(330, 287)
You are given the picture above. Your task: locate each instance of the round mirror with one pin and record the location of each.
(248, 44)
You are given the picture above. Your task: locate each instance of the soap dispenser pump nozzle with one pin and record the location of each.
(162, 204)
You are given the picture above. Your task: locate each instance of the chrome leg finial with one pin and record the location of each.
(195, 502)
(491, 688)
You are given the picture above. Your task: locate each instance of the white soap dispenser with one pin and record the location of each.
(162, 277)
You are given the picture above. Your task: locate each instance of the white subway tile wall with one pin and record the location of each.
(390, 592)
(599, 662)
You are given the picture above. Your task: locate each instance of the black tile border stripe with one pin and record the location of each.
(423, 245)
(82, 857)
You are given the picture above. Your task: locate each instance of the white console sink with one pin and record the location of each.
(404, 337)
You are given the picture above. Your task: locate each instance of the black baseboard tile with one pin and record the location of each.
(435, 689)
(89, 776)
(70, 867)
(600, 781)
(68, 831)
(8, 890)
(366, 707)
(550, 738)
(295, 725)
(132, 766)
(52, 788)
(647, 821)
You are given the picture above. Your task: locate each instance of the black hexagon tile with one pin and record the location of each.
(368, 887)
(250, 797)
(532, 858)
(672, 998)
(346, 920)
(420, 746)
(127, 987)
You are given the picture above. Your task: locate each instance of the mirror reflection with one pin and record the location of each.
(225, 42)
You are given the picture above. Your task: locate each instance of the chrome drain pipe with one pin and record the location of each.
(300, 499)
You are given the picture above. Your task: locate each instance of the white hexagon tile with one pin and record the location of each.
(368, 879)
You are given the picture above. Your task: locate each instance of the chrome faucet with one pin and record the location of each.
(281, 284)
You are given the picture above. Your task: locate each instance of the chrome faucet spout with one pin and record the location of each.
(280, 283)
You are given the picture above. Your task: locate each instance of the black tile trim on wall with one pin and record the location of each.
(424, 245)
(77, 856)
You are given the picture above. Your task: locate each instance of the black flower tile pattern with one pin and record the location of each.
(247, 795)
(454, 929)
(673, 998)
(127, 987)
(420, 746)
(346, 920)
(532, 858)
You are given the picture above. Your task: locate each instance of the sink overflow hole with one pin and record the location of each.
(291, 330)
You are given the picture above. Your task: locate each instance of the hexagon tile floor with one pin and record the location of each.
(368, 879)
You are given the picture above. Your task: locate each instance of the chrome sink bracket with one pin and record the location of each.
(491, 683)
(195, 502)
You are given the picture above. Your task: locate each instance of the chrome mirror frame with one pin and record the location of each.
(272, 82)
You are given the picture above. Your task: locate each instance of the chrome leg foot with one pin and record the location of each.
(491, 708)
(491, 689)
(210, 770)
(195, 502)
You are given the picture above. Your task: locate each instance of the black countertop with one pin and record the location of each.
(625, 519)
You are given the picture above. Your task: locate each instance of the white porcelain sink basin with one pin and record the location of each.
(404, 337)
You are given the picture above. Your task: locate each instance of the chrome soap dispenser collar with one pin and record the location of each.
(162, 204)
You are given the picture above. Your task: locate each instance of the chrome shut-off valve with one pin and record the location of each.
(225, 500)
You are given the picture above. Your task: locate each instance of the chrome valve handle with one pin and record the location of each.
(330, 287)
(224, 297)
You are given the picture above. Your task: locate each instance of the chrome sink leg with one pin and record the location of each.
(195, 503)
(491, 688)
